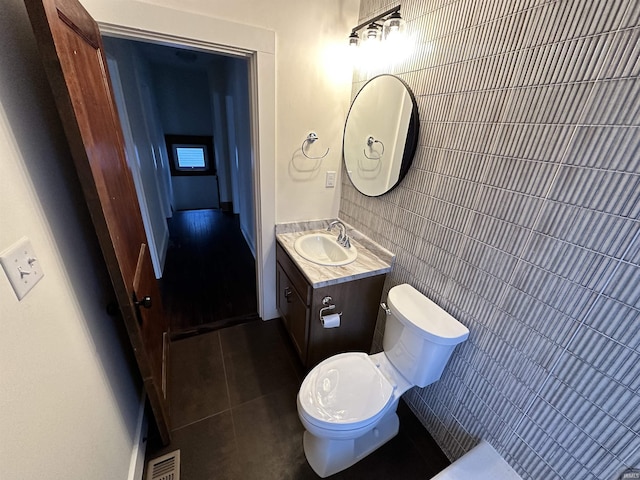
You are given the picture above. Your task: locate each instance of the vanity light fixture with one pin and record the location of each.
(354, 39)
(373, 33)
(392, 25)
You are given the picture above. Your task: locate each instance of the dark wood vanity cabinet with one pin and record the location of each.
(299, 304)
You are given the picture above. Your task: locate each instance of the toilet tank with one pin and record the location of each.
(419, 336)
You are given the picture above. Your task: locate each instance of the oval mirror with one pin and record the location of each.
(380, 135)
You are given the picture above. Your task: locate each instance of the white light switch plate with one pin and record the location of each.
(330, 180)
(21, 265)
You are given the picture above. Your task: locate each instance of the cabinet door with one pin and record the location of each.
(293, 311)
(359, 301)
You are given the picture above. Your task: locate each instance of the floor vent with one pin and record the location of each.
(166, 467)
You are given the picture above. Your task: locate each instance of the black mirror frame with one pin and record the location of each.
(411, 143)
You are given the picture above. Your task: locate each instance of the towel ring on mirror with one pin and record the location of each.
(312, 137)
(370, 142)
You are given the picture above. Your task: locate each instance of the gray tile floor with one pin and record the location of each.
(234, 413)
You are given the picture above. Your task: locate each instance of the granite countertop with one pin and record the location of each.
(372, 258)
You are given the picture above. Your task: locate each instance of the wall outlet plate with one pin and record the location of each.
(21, 265)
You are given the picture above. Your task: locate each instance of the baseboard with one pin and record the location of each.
(136, 467)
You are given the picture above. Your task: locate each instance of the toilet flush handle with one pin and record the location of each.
(386, 309)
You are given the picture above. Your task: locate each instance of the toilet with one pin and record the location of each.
(347, 403)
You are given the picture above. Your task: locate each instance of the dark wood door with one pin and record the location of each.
(72, 52)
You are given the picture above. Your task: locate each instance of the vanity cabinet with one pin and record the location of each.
(299, 304)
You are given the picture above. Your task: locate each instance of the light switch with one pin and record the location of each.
(22, 267)
(330, 180)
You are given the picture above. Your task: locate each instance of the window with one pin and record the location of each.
(190, 154)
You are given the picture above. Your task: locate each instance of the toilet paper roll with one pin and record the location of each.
(330, 321)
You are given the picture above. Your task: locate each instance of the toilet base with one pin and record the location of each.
(327, 456)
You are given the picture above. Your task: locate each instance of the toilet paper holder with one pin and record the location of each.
(326, 301)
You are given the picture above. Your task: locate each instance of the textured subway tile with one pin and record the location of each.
(529, 178)
(526, 462)
(504, 236)
(605, 191)
(601, 232)
(617, 321)
(614, 102)
(478, 281)
(509, 206)
(545, 143)
(548, 104)
(571, 262)
(510, 92)
(624, 285)
(610, 148)
(565, 297)
(488, 259)
(624, 60)
(536, 439)
(618, 363)
(539, 316)
(632, 15)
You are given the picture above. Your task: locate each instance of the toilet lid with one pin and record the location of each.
(345, 389)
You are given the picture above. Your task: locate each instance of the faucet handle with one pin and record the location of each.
(342, 234)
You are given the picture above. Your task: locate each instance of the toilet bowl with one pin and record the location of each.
(347, 403)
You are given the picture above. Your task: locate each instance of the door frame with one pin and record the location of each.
(136, 20)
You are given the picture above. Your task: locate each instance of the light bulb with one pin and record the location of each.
(354, 40)
(372, 33)
(394, 26)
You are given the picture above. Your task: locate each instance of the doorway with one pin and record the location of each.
(160, 25)
(195, 179)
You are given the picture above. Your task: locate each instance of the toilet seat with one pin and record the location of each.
(344, 392)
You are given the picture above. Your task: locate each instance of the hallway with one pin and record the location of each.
(209, 279)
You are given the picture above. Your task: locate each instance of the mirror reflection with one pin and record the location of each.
(380, 135)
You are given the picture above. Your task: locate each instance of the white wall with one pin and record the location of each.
(183, 100)
(313, 88)
(148, 166)
(239, 115)
(184, 104)
(68, 401)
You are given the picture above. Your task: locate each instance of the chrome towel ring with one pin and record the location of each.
(370, 142)
(312, 137)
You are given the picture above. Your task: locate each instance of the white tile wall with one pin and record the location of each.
(520, 217)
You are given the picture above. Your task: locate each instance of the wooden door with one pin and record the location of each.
(72, 52)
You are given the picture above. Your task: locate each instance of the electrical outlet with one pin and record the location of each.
(21, 265)
(330, 179)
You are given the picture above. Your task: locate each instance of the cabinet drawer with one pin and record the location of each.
(297, 280)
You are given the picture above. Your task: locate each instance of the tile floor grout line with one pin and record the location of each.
(226, 376)
(207, 417)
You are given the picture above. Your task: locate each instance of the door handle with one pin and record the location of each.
(287, 294)
(145, 302)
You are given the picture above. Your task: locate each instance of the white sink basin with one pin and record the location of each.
(323, 249)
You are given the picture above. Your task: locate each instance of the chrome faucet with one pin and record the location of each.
(343, 238)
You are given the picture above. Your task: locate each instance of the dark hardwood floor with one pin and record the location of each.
(209, 279)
